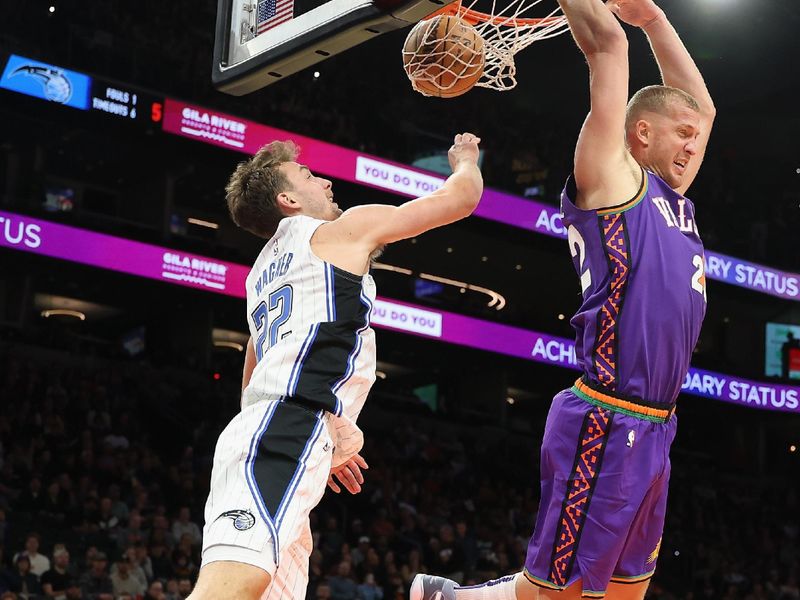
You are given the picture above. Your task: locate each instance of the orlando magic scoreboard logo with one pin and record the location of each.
(46, 81)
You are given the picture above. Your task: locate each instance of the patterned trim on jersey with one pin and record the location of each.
(620, 208)
(541, 582)
(634, 579)
(588, 461)
(625, 405)
(277, 460)
(606, 347)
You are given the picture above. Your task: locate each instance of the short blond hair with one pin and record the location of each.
(656, 99)
(252, 191)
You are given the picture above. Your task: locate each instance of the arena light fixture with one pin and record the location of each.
(202, 223)
(63, 312)
(496, 300)
(224, 344)
(385, 267)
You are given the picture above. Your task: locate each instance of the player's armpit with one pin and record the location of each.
(249, 363)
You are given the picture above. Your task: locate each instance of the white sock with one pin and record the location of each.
(496, 589)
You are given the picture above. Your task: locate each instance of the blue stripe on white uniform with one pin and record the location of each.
(301, 357)
(351, 360)
(250, 476)
(298, 474)
(328, 291)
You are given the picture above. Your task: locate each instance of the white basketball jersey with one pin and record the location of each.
(310, 324)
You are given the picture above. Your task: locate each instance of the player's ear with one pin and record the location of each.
(286, 203)
(642, 131)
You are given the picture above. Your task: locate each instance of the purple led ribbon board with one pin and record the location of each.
(231, 132)
(164, 264)
(198, 123)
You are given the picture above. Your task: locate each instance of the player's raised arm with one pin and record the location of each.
(678, 69)
(605, 173)
(373, 225)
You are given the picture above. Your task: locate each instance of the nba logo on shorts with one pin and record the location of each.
(242, 519)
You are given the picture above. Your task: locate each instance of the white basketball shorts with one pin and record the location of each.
(271, 465)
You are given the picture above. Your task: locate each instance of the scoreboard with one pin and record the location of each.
(125, 102)
(81, 91)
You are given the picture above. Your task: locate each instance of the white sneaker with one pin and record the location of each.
(430, 587)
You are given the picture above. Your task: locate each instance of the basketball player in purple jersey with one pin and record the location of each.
(309, 366)
(635, 245)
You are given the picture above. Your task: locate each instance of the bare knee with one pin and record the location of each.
(228, 580)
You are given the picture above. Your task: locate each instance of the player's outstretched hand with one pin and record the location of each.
(464, 149)
(349, 475)
(638, 13)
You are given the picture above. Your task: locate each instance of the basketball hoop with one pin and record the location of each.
(505, 31)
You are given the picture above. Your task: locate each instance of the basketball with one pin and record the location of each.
(443, 56)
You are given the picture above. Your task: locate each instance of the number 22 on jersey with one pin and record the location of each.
(269, 316)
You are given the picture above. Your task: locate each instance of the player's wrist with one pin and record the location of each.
(659, 16)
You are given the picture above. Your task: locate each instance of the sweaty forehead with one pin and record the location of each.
(293, 170)
(684, 115)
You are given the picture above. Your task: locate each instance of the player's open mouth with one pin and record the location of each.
(680, 165)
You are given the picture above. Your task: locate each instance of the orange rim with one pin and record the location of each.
(474, 17)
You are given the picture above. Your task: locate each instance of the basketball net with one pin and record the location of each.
(506, 31)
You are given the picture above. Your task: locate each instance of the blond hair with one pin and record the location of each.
(657, 99)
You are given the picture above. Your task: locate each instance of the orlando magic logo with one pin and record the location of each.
(56, 86)
(242, 519)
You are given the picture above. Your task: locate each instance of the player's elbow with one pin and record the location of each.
(608, 39)
(709, 110)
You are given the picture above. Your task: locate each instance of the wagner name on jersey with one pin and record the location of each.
(310, 325)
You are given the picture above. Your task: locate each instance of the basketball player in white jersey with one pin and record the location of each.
(309, 364)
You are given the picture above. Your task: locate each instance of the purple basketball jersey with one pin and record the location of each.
(641, 269)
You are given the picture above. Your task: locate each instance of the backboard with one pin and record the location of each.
(259, 42)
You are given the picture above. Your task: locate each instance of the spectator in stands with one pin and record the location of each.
(56, 581)
(155, 591)
(39, 563)
(342, 585)
(184, 587)
(135, 571)
(140, 562)
(96, 584)
(159, 559)
(123, 582)
(323, 592)
(21, 580)
(133, 533)
(32, 498)
(74, 592)
(55, 506)
(184, 525)
(369, 590)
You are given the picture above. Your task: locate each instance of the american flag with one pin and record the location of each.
(273, 12)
